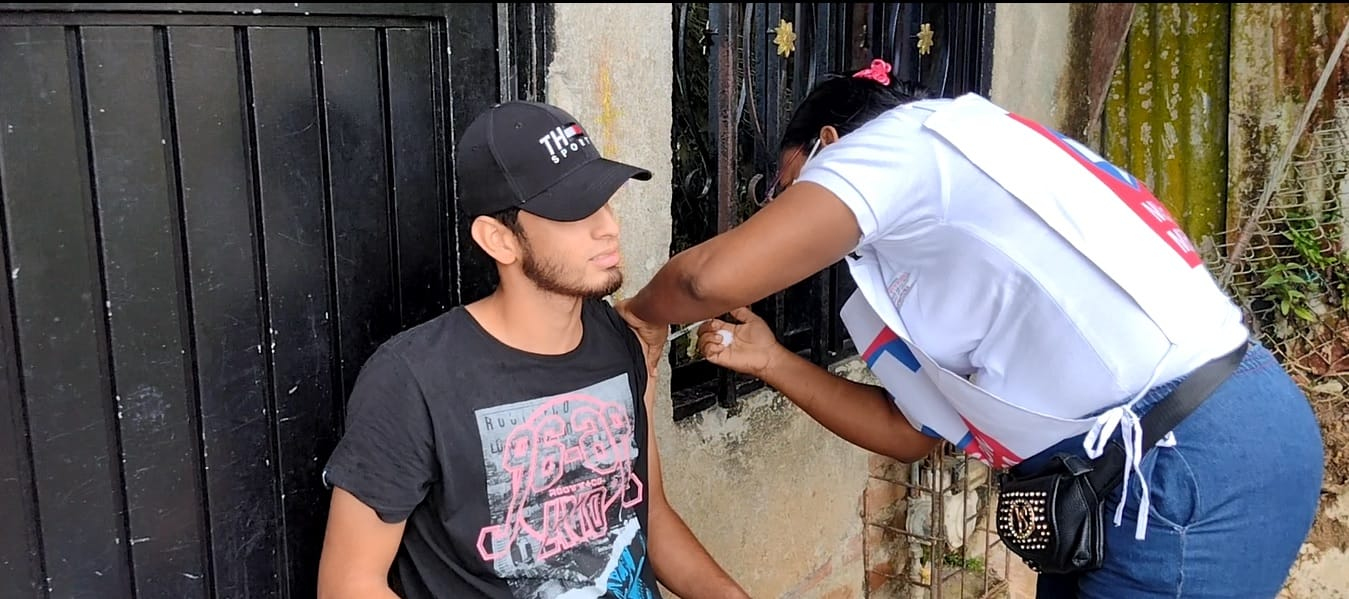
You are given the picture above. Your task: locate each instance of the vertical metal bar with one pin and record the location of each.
(193, 393)
(938, 532)
(819, 339)
(989, 521)
(390, 187)
(867, 566)
(906, 58)
(817, 45)
(840, 22)
(718, 93)
(447, 217)
(985, 37)
(723, 108)
(330, 234)
(935, 68)
(727, 120)
(103, 326)
(821, 45)
(1007, 562)
(964, 520)
(211, 93)
(967, 31)
(757, 76)
(24, 561)
(413, 174)
(800, 84)
(889, 32)
(775, 117)
(521, 29)
(712, 34)
(57, 315)
(136, 215)
(280, 554)
(505, 53)
(774, 78)
(529, 31)
(858, 44)
(824, 57)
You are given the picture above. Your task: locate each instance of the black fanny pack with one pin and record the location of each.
(1054, 520)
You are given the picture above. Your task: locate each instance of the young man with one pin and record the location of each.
(503, 449)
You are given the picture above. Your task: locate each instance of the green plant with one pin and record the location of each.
(1288, 287)
(1310, 239)
(969, 564)
(954, 559)
(1305, 270)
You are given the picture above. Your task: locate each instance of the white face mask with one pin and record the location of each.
(813, 148)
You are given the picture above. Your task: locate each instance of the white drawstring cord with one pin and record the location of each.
(1130, 425)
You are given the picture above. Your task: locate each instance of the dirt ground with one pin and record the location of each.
(1330, 399)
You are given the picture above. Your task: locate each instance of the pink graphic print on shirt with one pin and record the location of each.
(562, 491)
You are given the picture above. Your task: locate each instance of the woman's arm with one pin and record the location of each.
(858, 413)
(800, 233)
(861, 414)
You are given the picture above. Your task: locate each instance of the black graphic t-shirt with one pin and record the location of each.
(520, 475)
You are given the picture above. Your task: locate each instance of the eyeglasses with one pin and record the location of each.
(775, 187)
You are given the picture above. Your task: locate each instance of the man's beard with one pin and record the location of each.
(548, 276)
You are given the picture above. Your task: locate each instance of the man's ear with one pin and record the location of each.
(828, 135)
(495, 239)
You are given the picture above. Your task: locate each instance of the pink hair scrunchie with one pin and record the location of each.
(879, 71)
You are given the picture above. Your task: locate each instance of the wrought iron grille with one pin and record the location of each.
(739, 71)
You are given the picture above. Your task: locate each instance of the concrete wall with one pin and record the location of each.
(1030, 56)
(772, 495)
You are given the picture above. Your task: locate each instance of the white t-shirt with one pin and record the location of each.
(988, 290)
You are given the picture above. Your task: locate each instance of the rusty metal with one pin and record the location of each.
(1110, 31)
(725, 73)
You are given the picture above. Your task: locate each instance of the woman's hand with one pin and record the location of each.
(753, 347)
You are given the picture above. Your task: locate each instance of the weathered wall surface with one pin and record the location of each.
(1200, 105)
(1030, 56)
(1165, 115)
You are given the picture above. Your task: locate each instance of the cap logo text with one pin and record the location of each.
(563, 140)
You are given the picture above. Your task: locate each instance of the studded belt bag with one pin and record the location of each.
(1054, 520)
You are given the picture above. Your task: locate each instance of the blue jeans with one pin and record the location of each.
(1232, 502)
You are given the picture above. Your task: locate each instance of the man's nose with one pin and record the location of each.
(606, 224)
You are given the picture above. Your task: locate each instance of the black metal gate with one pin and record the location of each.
(201, 245)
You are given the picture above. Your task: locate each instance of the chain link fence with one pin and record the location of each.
(1291, 275)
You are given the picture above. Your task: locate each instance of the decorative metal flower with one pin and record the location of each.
(785, 38)
(925, 39)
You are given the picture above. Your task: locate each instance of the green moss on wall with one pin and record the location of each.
(1165, 116)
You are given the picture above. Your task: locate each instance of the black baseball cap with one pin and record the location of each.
(535, 157)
